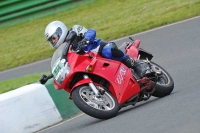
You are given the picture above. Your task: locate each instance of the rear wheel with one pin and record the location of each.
(101, 107)
(165, 83)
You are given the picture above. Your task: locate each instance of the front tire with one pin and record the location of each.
(165, 84)
(103, 107)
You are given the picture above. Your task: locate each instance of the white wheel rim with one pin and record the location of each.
(104, 102)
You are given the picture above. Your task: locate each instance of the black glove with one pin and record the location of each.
(71, 36)
(83, 43)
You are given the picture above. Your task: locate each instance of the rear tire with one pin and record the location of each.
(103, 107)
(165, 84)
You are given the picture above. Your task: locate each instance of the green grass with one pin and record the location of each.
(12, 84)
(24, 43)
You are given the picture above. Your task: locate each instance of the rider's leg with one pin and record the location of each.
(110, 50)
(135, 65)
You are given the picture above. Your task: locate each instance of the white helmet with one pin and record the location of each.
(56, 33)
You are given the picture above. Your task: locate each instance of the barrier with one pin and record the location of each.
(31, 108)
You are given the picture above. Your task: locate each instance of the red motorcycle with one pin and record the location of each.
(100, 87)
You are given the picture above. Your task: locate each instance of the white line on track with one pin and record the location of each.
(61, 122)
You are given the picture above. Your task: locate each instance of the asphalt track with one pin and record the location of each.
(175, 47)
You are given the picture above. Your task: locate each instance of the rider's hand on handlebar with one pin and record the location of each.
(83, 43)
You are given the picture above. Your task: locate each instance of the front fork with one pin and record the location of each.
(97, 91)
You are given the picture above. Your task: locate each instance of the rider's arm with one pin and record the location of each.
(84, 34)
(90, 36)
(80, 30)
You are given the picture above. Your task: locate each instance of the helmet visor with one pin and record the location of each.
(55, 37)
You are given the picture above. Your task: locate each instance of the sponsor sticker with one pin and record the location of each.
(120, 75)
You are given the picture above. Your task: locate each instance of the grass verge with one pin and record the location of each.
(12, 84)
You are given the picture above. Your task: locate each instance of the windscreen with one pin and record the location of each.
(57, 54)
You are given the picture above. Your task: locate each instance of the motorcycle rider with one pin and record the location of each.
(56, 33)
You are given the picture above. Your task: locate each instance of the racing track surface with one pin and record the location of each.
(175, 47)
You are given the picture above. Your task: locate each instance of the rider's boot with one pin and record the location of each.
(139, 72)
(135, 65)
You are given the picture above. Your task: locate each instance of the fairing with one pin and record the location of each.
(122, 84)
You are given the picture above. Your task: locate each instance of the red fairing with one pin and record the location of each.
(129, 87)
(81, 82)
(122, 84)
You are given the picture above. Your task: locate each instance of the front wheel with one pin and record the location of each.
(165, 83)
(101, 107)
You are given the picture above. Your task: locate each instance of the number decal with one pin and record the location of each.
(57, 69)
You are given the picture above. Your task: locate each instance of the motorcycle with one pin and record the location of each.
(100, 87)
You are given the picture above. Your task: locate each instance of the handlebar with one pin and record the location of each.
(45, 78)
